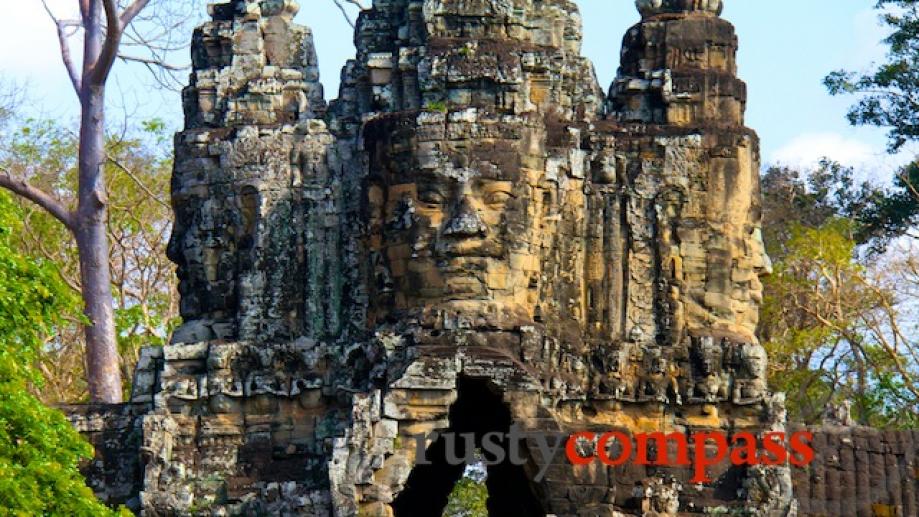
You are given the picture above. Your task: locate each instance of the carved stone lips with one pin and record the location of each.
(469, 248)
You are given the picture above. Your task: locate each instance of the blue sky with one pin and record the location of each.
(787, 47)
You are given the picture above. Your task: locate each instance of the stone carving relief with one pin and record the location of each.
(461, 212)
(470, 236)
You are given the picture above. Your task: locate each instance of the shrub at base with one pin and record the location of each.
(39, 450)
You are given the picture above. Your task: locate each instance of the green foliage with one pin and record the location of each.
(832, 315)
(890, 94)
(468, 499)
(154, 126)
(828, 191)
(39, 450)
(800, 327)
(440, 106)
(139, 222)
(828, 246)
(895, 212)
(889, 98)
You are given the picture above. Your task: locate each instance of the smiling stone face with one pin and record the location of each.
(456, 213)
(460, 226)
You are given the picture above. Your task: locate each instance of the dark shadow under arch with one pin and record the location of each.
(478, 410)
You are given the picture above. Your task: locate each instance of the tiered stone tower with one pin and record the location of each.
(470, 237)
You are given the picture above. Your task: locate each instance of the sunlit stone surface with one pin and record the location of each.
(472, 235)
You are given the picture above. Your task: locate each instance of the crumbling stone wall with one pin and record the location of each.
(470, 236)
(860, 471)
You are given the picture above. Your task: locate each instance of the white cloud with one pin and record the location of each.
(869, 161)
(30, 45)
(30, 56)
(868, 35)
(808, 149)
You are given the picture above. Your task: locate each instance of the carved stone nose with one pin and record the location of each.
(465, 223)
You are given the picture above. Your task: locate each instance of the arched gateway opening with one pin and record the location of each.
(478, 411)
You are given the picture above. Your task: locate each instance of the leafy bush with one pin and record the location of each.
(39, 450)
(468, 499)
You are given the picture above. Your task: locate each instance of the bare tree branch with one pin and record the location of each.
(133, 38)
(84, 10)
(344, 12)
(65, 48)
(113, 31)
(153, 62)
(39, 197)
(131, 12)
(161, 71)
(104, 24)
(137, 181)
(912, 189)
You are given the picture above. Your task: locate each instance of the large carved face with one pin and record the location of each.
(458, 218)
(189, 248)
(203, 248)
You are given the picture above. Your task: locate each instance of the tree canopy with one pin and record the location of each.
(888, 97)
(39, 450)
(837, 321)
(890, 93)
(138, 224)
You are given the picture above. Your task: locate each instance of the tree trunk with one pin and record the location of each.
(102, 364)
(102, 360)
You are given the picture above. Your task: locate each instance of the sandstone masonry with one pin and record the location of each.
(472, 235)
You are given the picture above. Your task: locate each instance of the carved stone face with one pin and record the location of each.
(191, 248)
(762, 264)
(457, 221)
(703, 356)
(755, 360)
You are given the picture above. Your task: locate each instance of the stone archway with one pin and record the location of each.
(478, 410)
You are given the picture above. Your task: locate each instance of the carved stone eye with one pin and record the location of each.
(497, 198)
(430, 197)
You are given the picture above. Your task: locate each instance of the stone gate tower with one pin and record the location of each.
(471, 237)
